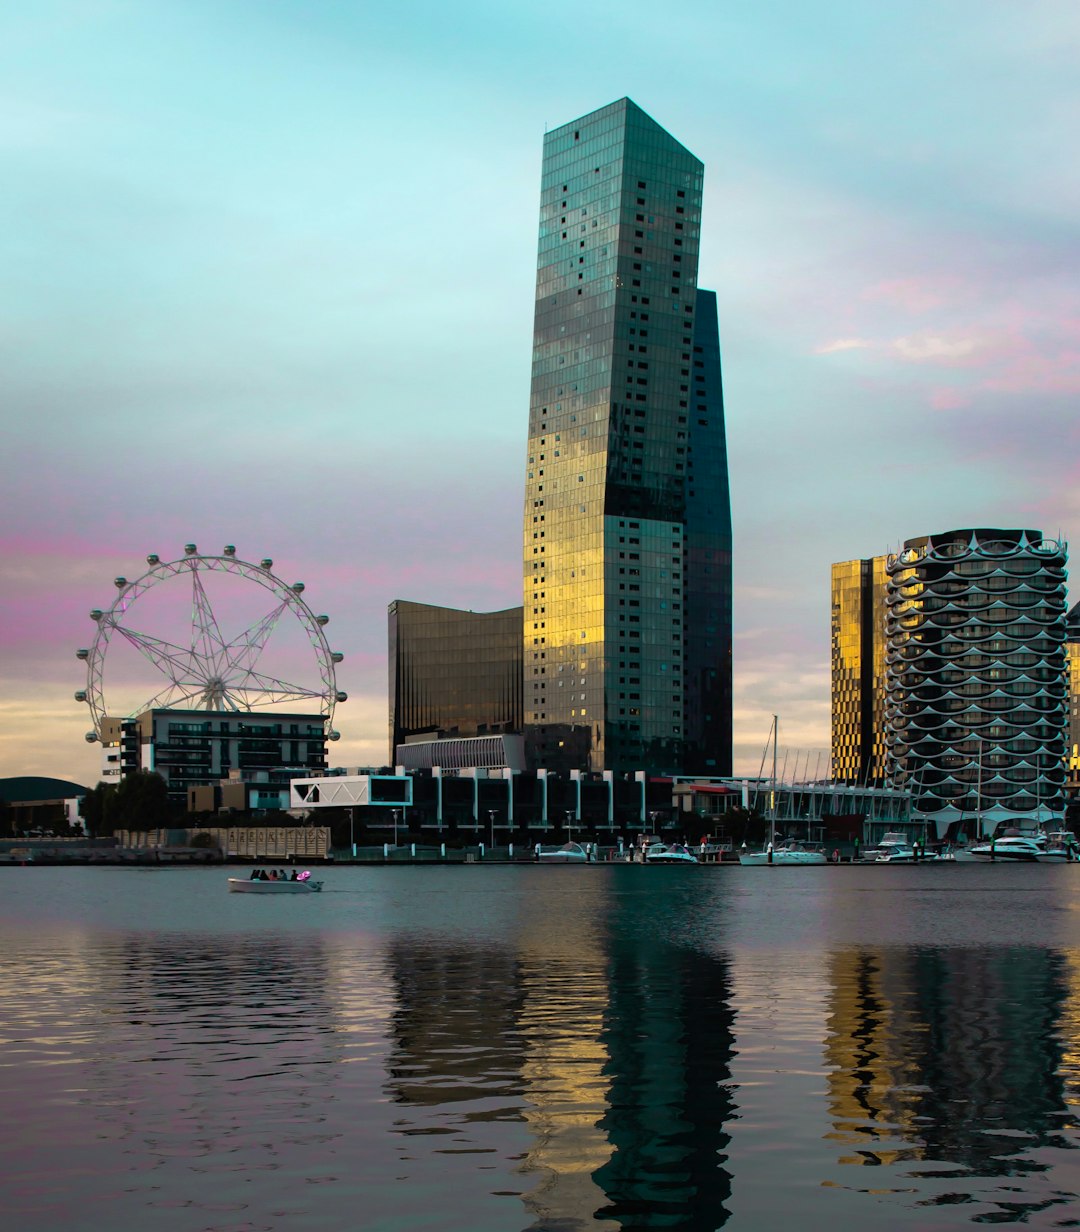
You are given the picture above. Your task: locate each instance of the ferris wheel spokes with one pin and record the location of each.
(172, 661)
(207, 642)
(279, 690)
(244, 650)
(175, 697)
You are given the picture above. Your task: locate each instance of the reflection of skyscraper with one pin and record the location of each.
(940, 1054)
(858, 670)
(669, 1036)
(627, 535)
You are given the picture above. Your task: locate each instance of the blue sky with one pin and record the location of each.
(268, 280)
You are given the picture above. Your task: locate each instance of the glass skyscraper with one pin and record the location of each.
(976, 705)
(858, 670)
(452, 672)
(627, 530)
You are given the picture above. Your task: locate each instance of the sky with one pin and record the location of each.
(268, 278)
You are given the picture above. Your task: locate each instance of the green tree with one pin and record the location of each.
(93, 806)
(140, 801)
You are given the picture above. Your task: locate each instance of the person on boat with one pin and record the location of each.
(256, 875)
(295, 876)
(272, 875)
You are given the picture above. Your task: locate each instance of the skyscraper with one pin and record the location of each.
(452, 672)
(976, 695)
(627, 529)
(858, 670)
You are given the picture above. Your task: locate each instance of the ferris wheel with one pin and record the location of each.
(193, 664)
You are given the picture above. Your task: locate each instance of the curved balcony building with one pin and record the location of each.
(976, 696)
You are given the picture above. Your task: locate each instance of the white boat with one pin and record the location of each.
(669, 853)
(1011, 848)
(906, 854)
(257, 885)
(891, 842)
(568, 853)
(790, 852)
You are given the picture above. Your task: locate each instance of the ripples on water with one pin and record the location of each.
(543, 1049)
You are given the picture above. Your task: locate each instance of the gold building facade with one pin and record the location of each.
(627, 522)
(858, 670)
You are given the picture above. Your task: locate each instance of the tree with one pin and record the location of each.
(140, 801)
(93, 806)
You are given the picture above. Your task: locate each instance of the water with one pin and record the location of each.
(549, 1049)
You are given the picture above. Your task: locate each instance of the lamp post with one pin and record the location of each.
(491, 819)
(352, 839)
(569, 824)
(395, 813)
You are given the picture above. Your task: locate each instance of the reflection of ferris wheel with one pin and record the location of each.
(203, 669)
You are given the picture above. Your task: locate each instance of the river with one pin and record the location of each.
(495, 1049)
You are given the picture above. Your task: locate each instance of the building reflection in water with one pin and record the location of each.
(951, 1059)
(669, 1038)
(611, 1057)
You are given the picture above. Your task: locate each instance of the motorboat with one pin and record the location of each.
(908, 854)
(264, 885)
(890, 843)
(669, 853)
(568, 853)
(1014, 848)
(790, 852)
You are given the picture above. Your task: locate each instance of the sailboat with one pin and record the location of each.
(966, 854)
(793, 851)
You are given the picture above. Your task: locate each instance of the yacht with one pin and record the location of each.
(789, 851)
(669, 853)
(1017, 848)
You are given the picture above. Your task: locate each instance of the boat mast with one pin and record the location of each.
(772, 810)
(978, 795)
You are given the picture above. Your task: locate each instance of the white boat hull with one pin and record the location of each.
(662, 854)
(783, 858)
(244, 885)
(568, 853)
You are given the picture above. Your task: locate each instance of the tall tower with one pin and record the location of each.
(627, 529)
(858, 670)
(976, 696)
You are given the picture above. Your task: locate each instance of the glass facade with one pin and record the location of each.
(976, 692)
(627, 527)
(1072, 661)
(858, 670)
(452, 672)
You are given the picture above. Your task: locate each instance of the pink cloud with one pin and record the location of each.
(937, 348)
(843, 344)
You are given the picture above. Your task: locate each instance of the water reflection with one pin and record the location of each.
(946, 1065)
(610, 1050)
(602, 1052)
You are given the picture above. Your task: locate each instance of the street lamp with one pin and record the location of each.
(569, 820)
(395, 813)
(352, 839)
